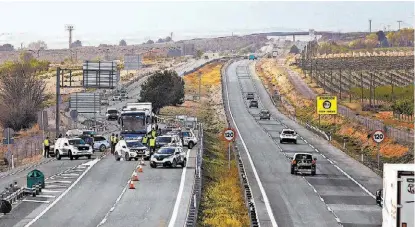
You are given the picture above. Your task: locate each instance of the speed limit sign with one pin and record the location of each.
(378, 136)
(229, 134)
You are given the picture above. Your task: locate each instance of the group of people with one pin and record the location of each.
(148, 140)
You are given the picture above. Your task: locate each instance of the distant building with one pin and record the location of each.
(188, 49)
(174, 52)
(6, 47)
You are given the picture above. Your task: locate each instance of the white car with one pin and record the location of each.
(101, 143)
(72, 148)
(169, 156)
(288, 135)
(131, 149)
(168, 139)
(189, 139)
(73, 132)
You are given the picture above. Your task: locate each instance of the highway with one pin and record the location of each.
(341, 193)
(95, 192)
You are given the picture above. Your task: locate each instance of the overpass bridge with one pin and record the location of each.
(311, 32)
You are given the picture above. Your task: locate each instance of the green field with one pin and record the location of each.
(384, 93)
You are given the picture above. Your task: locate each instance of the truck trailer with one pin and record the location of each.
(397, 195)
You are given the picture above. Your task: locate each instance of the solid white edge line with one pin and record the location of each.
(92, 163)
(179, 194)
(261, 187)
(35, 201)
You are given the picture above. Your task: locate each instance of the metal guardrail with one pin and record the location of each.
(191, 218)
(253, 216)
(13, 193)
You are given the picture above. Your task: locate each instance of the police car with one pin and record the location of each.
(130, 149)
(72, 148)
(170, 156)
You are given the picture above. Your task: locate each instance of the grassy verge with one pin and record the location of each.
(222, 202)
(357, 143)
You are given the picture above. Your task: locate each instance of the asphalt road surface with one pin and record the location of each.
(341, 191)
(95, 192)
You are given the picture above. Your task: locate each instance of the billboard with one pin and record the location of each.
(101, 74)
(132, 62)
(85, 102)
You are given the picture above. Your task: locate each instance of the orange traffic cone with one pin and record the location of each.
(134, 177)
(140, 169)
(132, 185)
(142, 162)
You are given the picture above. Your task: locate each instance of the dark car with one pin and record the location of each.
(303, 162)
(264, 114)
(250, 95)
(253, 103)
(112, 114)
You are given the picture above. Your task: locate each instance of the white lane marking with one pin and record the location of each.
(322, 155)
(55, 186)
(351, 178)
(58, 181)
(312, 146)
(68, 174)
(91, 164)
(261, 187)
(35, 201)
(51, 191)
(316, 150)
(179, 195)
(113, 206)
(46, 196)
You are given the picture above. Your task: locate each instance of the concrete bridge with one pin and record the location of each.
(311, 32)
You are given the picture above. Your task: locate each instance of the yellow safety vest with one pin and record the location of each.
(152, 142)
(144, 140)
(153, 133)
(112, 139)
(46, 142)
(116, 140)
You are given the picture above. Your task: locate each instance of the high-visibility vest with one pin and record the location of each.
(112, 139)
(153, 133)
(46, 142)
(116, 140)
(152, 142)
(144, 140)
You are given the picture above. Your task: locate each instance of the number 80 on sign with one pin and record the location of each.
(229, 134)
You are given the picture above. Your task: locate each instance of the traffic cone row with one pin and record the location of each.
(131, 185)
(134, 177)
(140, 169)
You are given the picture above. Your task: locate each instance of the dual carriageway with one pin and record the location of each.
(95, 193)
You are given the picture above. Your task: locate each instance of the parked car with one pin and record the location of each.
(288, 135)
(130, 149)
(303, 162)
(264, 114)
(72, 148)
(189, 139)
(116, 98)
(166, 139)
(253, 103)
(101, 143)
(250, 95)
(73, 132)
(169, 156)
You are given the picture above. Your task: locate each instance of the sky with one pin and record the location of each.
(108, 22)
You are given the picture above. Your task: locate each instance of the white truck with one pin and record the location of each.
(397, 195)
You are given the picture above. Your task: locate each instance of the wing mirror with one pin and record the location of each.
(66, 144)
(124, 147)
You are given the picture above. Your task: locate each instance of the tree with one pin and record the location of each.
(7, 47)
(160, 40)
(294, 49)
(123, 43)
(38, 45)
(199, 53)
(162, 89)
(150, 41)
(77, 43)
(21, 95)
(168, 39)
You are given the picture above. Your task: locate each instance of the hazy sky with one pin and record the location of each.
(108, 22)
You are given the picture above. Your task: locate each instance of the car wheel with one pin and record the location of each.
(184, 163)
(280, 141)
(102, 148)
(58, 155)
(153, 166)
(77, 157)
(89, 156)
(136, 159)
(292, 170)
(174, 164)
(117, 157)
(70, 155)
(190, 145)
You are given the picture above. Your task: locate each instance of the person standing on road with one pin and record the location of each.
(46, 144)
(144, 140)
(153, 133)
(112, 141)
(152, 144)
(116, 139)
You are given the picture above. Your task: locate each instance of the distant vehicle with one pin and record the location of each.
(288, 135)
(302, 162)
(73, 132)
(252, 57)
(168, 139)
(116, 97)
(250, 95)
(101, 143)
(72, 148)
(105, 102)
(130, 149)
(169, 156)
(253, 103)
(124, 96)
(112, 113)
(89, 132)
(264, 114)
(397, 195)
(189, 139)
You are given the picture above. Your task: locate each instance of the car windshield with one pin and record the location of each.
(164, 139)
(76, 142)
(264, 111)
(112, 111)
(134, 144)
(166, 150)
(254, 102)
(289, 132)
(303, 157)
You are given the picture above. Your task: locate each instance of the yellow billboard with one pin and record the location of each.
(326, 104)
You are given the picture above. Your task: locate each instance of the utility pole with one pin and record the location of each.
(370, 26)
(399, 24)
(70, 28)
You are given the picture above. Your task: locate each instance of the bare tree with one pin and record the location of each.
(21, 95)
(38, 45)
